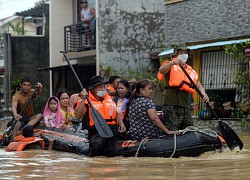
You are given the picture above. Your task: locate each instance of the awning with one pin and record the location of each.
(65, 66)
(201, 46)
(36, 11)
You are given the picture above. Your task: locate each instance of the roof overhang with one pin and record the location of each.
(36, 11)
(202, 46)
(65, 66)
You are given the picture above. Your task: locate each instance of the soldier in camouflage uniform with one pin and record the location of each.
(176, 108)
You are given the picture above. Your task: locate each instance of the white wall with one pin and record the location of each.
(60, 16)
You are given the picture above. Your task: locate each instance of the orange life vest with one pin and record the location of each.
(107, 108)
(111, 88)
(180, 80)
(160, 76)
(21, 142)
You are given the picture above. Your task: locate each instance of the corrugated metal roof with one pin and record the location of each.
(200, 46)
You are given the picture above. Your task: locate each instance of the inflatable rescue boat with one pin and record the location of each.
(190, 144)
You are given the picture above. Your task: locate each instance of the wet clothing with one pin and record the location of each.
(21, 143)
(25, 120)
(141, 125)
(98, 143)
(107, 109)
(176, 107)
(177, 117)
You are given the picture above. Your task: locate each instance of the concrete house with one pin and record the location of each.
(206, 27)
(126, 31)
(29, 27)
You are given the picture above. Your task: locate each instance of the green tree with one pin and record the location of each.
(18, 28)
(242, 73)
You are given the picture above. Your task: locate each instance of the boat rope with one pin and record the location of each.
(174, 146)
(207, 132)
(143, 142)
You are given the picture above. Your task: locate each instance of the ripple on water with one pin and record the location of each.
(61, 165)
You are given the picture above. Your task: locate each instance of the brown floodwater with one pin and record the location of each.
(39, 164)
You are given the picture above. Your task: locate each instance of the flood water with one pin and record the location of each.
(39, 164)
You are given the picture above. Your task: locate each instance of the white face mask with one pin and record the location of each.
(101, 93)
(183, 57)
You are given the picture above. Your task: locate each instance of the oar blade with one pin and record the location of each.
(101, 126)
(231, 138)
(6, 137)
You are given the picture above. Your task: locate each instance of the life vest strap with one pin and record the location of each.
(109, 120)
(180, 85)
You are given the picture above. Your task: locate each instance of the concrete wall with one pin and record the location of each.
(202, 20)
(60, 16)
(28, 53)
(128, 31)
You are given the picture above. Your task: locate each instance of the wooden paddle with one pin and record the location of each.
(102, 127)
(231, 138)
(8, 131)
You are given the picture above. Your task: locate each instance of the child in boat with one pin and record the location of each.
(52, 114)
(67, 111)
(26, 141)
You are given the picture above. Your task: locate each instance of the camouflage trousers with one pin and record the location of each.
(177, 118)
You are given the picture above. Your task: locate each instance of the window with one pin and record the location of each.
(39, 30)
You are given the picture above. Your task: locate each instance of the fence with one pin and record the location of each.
(79, 38)
(218, 79)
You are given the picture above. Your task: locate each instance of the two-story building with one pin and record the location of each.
(127, 32)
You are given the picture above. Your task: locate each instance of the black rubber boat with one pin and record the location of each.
(190, 144)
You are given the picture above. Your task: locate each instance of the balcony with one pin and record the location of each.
(78, 38)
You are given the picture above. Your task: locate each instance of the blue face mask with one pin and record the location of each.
(101, 93)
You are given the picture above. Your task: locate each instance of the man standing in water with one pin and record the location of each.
(176, 108)
(19, 100)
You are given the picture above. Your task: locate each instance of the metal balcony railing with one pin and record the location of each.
(79, 38)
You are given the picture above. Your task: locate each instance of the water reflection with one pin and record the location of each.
(60, 165)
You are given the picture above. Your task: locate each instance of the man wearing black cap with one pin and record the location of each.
(103, 103)
(176, 112)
